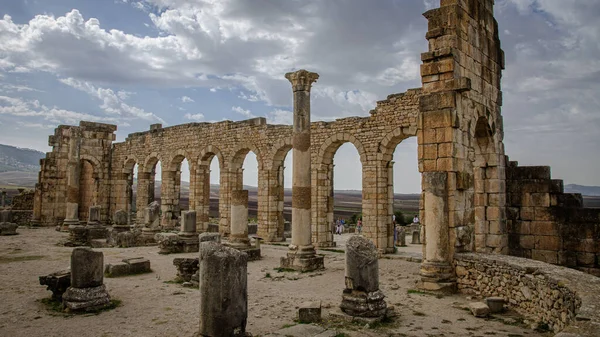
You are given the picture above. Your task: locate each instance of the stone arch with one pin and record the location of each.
(89, 184)
(322, 195)
(129, 164)
(200, 193)
(238, 155)
(280, 151)
(273, 230)
(151, 160)
(177, 158)
(207, 154)
(392, 139)
(333, 143)
(126, 181)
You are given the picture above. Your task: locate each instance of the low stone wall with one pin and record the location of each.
(563, 298)
(22, 218)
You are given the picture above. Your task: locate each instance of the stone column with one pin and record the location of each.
(239, 225)
(3, 203)
(301, 255)
(187, 233)
(239, 219)
(223, 285)
(87, 291)
(94, 227)
(73, 171)
(362, 296)
(437, 273)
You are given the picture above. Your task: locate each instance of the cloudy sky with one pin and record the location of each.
(135, 63)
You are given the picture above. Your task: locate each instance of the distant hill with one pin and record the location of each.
(18, 159)
(592, 191)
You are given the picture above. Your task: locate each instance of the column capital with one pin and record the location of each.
(302, 80)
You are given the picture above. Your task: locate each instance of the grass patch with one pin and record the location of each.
(268, 275)
(285, 270)
(418, 313)
(333, 250)
(285, 326)
(6, 259)
(420, 292)
(341, 334)
(57, 307)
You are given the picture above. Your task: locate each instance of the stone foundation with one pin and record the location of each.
(302, 264)
(560, 297)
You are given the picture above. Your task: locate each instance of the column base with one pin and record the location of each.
(69, 222)
(326, 244)
(362, 304)
(302, 261)
(437, 277)
(252, 252)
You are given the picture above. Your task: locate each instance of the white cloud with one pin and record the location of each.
(279, 116)
(111, 103)
(241, 111)
(186, 99)
(195, 117)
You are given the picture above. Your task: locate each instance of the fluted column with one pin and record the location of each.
(301, 255)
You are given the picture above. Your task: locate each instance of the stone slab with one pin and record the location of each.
(479, 309)
(57, 282)
(309, 312)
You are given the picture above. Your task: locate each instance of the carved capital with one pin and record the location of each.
(302, 80)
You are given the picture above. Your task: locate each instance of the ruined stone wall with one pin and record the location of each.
(23, 201)
(541, 292)
(93, 142)
(375, 138)
(546, 224)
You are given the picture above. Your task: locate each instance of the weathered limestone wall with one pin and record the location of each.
(109, 184)
(54, 190)
(461, 154)
(544, 293)
(546, 224)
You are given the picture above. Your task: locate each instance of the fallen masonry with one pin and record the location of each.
(57, 282)
(131, 266)
(7, 227)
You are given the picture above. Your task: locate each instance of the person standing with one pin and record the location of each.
(359, 226)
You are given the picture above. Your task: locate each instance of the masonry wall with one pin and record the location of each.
(109, 183)
(546, 224)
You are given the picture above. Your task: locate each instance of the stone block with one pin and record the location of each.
(547, 256)
(86, 268)
(209, 237)
(495, 304)
(138, 265)
(8, 228)
(544, 242)
(222, 275)
(57, 282)
(479, 309)
(116, 270)
(120, 218)
(309, 312)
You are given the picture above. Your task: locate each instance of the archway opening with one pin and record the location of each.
(87, 189)
(345, 207)
(405, 187)
(182, 186)
(132, 179)
(214, 189)
(154, 190)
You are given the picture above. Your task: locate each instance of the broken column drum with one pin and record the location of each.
(301, 255)
(7, 227)
(239, 219)
(188, 234)
(239, 225)
(223, 284)
(94, 227)
(87, 291)
(361, 296)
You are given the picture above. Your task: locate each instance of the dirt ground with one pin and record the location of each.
(153, 306)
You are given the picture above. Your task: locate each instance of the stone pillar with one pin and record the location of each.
(188, 223)
(302, 255)
(73, 171)
(87, 291)
(437, 273)
(94, 227)
(120, 221)
(3, 203)
(362, 296)
(239, 219)
(223, 284)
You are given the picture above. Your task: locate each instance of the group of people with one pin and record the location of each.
(341, 223)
